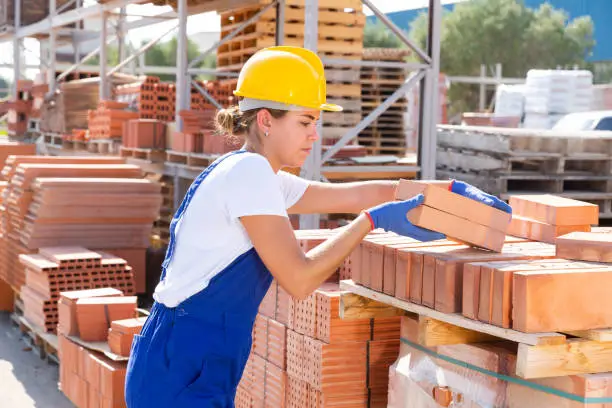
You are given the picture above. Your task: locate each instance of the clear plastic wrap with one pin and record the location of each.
(479, 376)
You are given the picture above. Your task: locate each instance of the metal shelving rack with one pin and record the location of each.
(426, 72)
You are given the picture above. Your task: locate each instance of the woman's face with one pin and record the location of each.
(292, 136)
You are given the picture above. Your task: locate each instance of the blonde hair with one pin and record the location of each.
(234, 122)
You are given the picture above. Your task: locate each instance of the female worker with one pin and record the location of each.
(231, 236)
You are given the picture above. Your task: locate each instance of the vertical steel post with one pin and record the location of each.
(104, 87)
(429, 93)
(121, 35)
(51, 50)
(312, 167)
(482, 97)
(280, 22)
(182, 83)
(17, 49)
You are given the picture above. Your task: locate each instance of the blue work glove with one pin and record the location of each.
(392, 216)
(469, 191)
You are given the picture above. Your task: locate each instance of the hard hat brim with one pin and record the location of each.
(330, 107)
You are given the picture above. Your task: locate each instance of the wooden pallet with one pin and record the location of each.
(201, 159)
(44, 344)
(540, 355)
(104, 146)
(532, 181)
(340, 31)
(53, 139)
(151, 155)
(176, 157)
(517, 141)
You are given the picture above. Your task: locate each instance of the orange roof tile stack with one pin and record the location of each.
(106, 122)
(304, 355)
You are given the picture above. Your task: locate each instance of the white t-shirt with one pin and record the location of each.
(210, 235)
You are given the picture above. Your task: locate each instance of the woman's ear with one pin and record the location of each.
(264, 120)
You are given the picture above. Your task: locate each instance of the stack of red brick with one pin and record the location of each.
(108, 120)
(114, 209)
(199, 135)
(19, 109)
(304, 355)
(38, 91)
(141, 96)
(144, 134)
(87, 377)
(59, 269)
(504, 284)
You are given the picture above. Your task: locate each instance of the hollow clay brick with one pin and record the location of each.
(554, 210)
(295, 355)
(330, 327)
(68, 322)
(94, 315)
(260, 336)
(277, 344)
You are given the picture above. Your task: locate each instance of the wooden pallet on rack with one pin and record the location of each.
(387, 134)
(340, 31)
(540, 355)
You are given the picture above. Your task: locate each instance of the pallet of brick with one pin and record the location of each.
(456, 216)
(388, 133)
(488, 286)
(144, 134)
(59, 269)
(69, 107)
(19, 199)
(436, 274)
(544, 217)
(107, 121)
(12, 161)
(115, 215)
(140, 96)
(88, 378)
(317, 363)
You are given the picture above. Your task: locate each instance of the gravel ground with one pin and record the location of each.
(26, 381)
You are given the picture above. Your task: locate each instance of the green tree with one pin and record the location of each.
(164, 55)
(5, 84)
(378, 35)
(505, 31)
(112, 53)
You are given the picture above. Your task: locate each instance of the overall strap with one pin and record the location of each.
(183, 207)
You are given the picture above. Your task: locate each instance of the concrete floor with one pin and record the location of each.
(26, 381)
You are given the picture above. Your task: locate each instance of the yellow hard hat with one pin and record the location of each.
(283, 77)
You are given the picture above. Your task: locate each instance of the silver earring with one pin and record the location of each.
(266, 133)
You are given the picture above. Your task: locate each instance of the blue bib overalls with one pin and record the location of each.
(193, 355)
